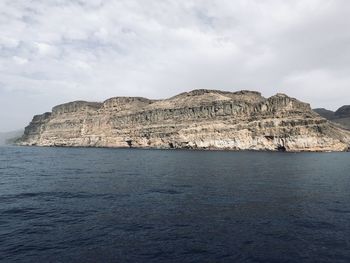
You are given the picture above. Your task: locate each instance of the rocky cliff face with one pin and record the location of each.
(340, 116)
(200, 119)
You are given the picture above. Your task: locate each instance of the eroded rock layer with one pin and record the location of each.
(200, 119)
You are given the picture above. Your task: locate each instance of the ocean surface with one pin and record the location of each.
(128, 205)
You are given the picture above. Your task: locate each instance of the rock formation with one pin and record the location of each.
(340, 116)
(200, 119)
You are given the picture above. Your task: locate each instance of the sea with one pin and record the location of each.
(134, 205)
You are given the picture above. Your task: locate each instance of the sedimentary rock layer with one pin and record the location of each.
(200, 119)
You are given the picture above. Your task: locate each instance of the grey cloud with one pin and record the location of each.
(52, 51)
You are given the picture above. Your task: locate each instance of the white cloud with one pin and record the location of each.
(61, 50)
(6, 42)
(19, 60)
(44, 49)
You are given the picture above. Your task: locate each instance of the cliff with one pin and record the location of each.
(200, 119)
(340, 116)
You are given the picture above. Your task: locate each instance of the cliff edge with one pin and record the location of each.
(200, 119)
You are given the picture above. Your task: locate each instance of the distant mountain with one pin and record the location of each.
(328, 114)
(340, 116)
(343, 112)
(9, 137)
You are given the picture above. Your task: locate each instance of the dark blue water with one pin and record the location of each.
(109, 205)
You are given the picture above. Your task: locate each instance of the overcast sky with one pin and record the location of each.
(55, 51)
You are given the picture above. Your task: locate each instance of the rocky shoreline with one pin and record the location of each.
(200, 119)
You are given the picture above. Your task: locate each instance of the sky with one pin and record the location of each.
(55, 51)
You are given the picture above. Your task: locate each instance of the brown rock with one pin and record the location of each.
(200, 119)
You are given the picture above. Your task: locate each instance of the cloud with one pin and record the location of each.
(19, 60)
(53, 51)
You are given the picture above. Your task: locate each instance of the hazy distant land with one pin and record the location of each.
(9, 137)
